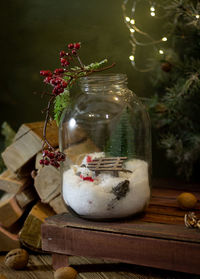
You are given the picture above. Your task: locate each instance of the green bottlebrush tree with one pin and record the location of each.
(175, 108)
(122, 137)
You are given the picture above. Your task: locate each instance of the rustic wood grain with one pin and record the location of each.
(58, 204)
(10, 211)
(47, 183)
(27, 143)
(107, 164)
(10, 183)
(8, 240)
(40, 267)
(30, 235)
(77, 151)
(133, 240)
(59, 260)
(27, 196)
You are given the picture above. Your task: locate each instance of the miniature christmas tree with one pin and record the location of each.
(122, 137)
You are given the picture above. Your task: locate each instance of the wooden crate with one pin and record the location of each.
(158, 238)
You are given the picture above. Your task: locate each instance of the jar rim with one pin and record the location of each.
(103, 77)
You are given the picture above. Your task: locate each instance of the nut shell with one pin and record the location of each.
(17, 259)
(65, 273)
(187, 200)
(2, 276)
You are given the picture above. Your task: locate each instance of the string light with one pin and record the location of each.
(145, 38)
(132, 21)
(134, 30)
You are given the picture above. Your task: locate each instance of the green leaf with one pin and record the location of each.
(96, 65)
(61, 102)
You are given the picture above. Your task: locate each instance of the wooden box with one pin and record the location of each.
(158, 238)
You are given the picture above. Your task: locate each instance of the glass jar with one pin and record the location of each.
(107, 141)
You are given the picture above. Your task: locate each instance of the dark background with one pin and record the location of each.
(34, 31)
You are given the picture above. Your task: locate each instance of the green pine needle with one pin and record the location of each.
(61, 102)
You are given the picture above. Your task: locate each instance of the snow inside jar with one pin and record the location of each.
(107, 141)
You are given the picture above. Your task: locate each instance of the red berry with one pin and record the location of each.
(58, 89)
(62, 60)
(66, 63)
(46, 73)
(77, 45)
(74, 52)
(56, 81)
(56, 165)
(59, 71)
(46, 162)
(41, 162)
(47, 79)
(62, 53)
(70, 46)
(64, 84)
(51, 155)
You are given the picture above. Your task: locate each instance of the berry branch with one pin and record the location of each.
(62, 79)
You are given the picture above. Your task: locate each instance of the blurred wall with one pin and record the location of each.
(34, 31)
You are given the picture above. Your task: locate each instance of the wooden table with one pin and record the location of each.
(156, 239)
(40, 267)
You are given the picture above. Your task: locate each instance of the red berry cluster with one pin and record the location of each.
(52, 158)
(56, 78)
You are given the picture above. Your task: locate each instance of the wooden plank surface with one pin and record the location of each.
(157, 238)
(163, 219)
(39, 267)
(169, 254)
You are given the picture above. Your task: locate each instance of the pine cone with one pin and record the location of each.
(166, 67)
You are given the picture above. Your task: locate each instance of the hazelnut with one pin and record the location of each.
(17, 259)
(186, 200)
(65, 273)
(2, 276)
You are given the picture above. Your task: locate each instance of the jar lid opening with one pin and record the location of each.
(102, 78)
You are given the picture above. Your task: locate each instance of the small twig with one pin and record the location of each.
(46, 122)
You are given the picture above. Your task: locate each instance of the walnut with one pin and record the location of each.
(191, 220)
(186, 200)
(17, 259)
(198, 224)
(65, 273)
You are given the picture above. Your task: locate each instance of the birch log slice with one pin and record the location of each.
(47, 183)
(10, 211)
(30, 234)
(58, 205)
(27, 143)
(10, 183)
